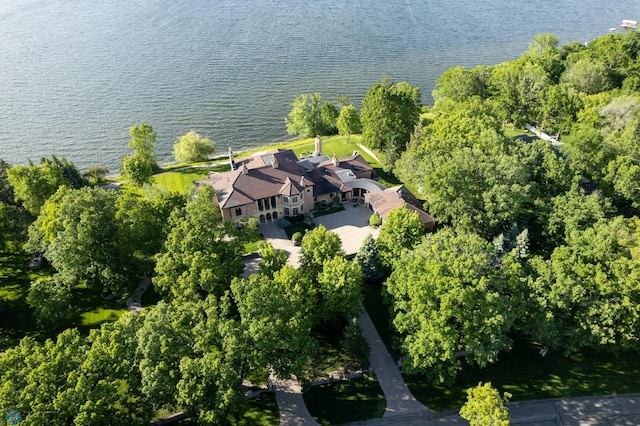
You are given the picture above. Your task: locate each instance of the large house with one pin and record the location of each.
(276, 184)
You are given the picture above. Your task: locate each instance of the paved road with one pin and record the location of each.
(620, 410)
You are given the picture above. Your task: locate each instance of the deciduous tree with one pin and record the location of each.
(485, 406)
(305, 118)
(318, 245)
(192, 147)
(449, 300)
(202, 252)
(401, 230)
(276, 315)
(348, 121)
(388, 115)
(142, 164)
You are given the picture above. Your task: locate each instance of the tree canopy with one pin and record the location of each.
(449, 300)
(388, 115)
(192, 147)
(142, 164)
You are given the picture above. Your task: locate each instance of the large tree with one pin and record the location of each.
(340, 287)
(185, 361)
(449, 299)
(192, 147)
(388, 115)
(348, 121)
(33, 185)
(276, 317)
(203, 250)
(142, 164)
(318, 245)
(586, 292)
(79, 233)
(401, 230)
(305, 118)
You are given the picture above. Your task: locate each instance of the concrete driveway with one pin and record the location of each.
(351, 225)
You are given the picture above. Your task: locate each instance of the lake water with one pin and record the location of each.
(75, 75)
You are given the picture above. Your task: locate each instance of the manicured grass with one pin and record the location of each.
(17, 320)
(346, 401)
(527, 375)
(182, 180)
(91, 309)
(262, 411)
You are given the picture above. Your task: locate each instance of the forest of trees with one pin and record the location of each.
(534, 241)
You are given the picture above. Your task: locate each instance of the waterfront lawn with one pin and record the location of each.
(527, 376)
(346, 401)
(182, 180)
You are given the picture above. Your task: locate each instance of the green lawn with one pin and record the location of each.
(346, 401)
(182, 180)
(527, 375)
(521, 372)
(262, 411)
(90, 308)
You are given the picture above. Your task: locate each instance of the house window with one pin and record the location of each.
(309, 190)
(295, 211)
(286, 211)
(260, 205)
(238, 211)
(294, 199)
(301, 207)
(285, 199)
(273, 202)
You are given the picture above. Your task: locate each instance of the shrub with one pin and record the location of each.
(375, 220)
(296, 238)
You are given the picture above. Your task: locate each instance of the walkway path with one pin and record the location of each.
(293, 410)
(400, 401)
(134, 304)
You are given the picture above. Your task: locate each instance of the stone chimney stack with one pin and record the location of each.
(244, 169)
(335, 160)
(275, 163)
(318, 151)
(302, 181)
(232, 160)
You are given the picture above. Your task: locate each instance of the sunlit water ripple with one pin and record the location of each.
(77, 74)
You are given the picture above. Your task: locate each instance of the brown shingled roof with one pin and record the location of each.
(398, 196)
